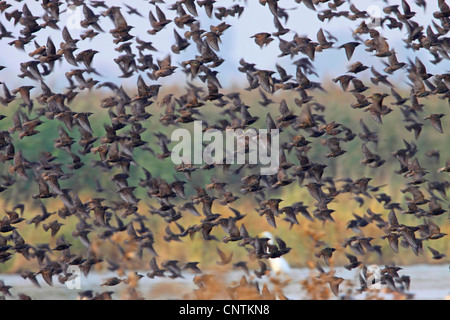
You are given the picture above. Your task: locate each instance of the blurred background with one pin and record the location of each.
(235, 45)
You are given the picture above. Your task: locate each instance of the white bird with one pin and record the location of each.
(277, 265)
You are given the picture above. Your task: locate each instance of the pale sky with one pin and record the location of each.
(236, 41)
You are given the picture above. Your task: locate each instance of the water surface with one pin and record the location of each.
(428, 282)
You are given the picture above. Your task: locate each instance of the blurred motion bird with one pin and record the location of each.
(93, 107)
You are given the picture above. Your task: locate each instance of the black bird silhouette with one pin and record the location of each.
(157, 23)
(436, 254)
(224, 259)
(349, 48)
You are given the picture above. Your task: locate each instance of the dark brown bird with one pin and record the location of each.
(155, 270)
(113, 281)
(165, 68)
(357, 67)
(224, 258)
(4, 289)
(436, 254)
(262, 39)
(8, 97)
(173, 268)
(229, 226)
(393, 64)
(377, 109)
(208, 5)
(20, 166)
(107, 155)
(369, 158)
(157, 23)
(334, 145)
(353, 262)
(265, 80)
(379, 78)
(344, 81)
(366, 135)
(54, 226)
(180, 43)
(326, 254)
(349, 48)
(25, 95)
(399, 100)
(90, 19)
(286, 116)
